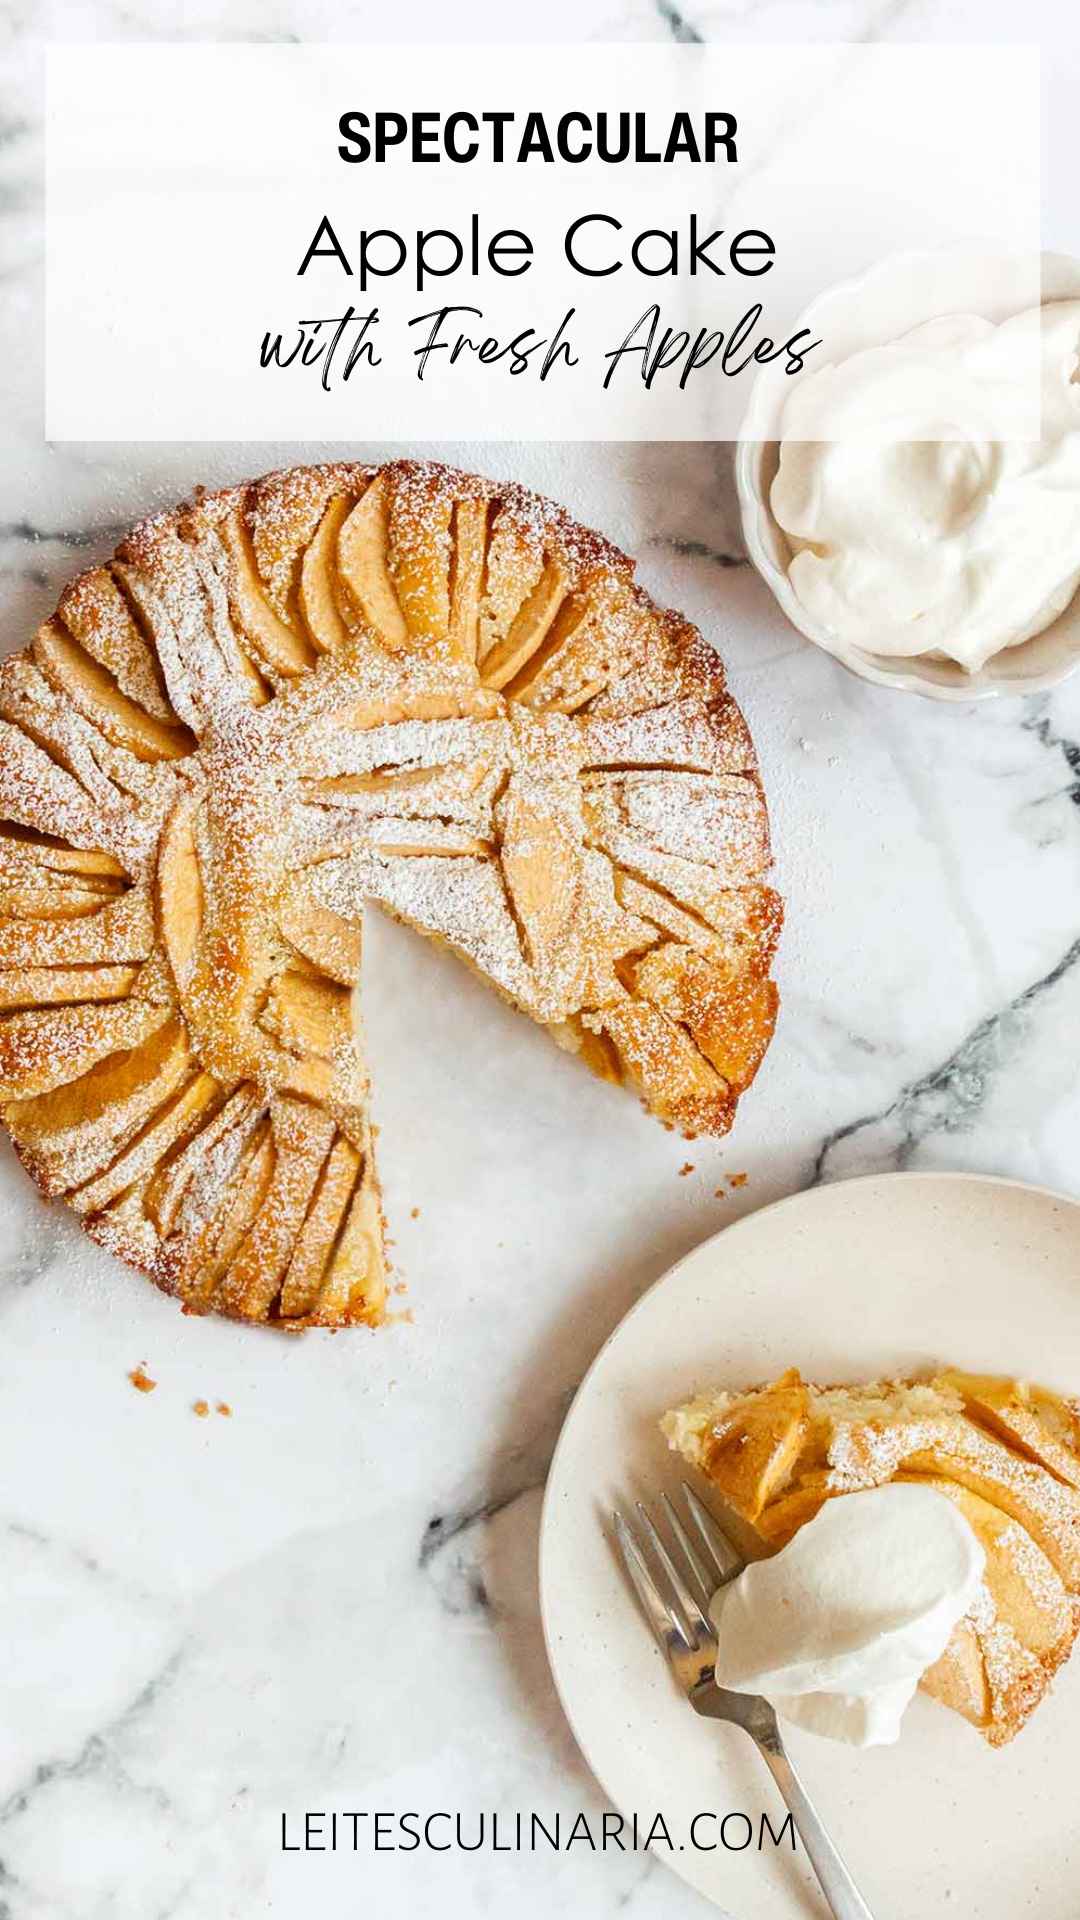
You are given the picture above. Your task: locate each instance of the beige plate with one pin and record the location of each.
(866, 1277)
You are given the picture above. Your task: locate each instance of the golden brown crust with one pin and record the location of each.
(282, 700)
(1005, 1452)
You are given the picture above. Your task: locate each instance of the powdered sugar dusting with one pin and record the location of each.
(493, 763)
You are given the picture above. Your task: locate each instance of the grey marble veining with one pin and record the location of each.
(951, 1096)
(329, 1600)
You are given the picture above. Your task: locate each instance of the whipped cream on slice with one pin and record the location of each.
(837, 1629)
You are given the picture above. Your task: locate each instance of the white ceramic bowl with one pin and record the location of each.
(898, 294)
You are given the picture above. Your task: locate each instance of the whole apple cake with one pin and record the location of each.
(338, 685)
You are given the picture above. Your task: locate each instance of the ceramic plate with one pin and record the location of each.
(866, 1277)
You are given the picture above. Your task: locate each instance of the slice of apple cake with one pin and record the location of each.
(1005, 1452)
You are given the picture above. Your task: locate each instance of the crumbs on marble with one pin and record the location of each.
(734, 1180)
(143, 1383)
(414, 1213)
(687, 1167)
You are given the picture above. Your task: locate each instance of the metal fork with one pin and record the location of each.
(676, 1604)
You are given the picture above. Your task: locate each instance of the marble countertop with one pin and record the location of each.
(329, 1600)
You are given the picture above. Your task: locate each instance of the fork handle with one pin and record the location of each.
(836, 1882)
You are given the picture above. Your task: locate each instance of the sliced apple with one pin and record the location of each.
(310, 1078)
(513, 566)
(28, 849)
(179, 888)
(302, 1136)
(58, 986)
(362, 559)
(732, 1020)
(308, 1015)
(322, 936)
(318, 602)
(180, 1169)
(218, 1242)
(43, 1051)
(507, 657)
(676, 1081)
(418, 535)
(277, 647)
(354, 1287)
(320, 1230)
(541, 864)
(178, 1116)
(122, 930)
(96, 613)
(95, 694)
(467, 576)
(119, 1091)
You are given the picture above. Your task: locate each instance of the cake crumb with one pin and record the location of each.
(687, 1167)
(414, 1213)
(140, 1379)
(737, 1179)
(201, 1407)
(224, 1407)
(719, 1193)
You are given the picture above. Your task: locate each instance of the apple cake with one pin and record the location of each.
(334, 685)
(1005, 1452)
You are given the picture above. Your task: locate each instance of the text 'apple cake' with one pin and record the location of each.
(1007, 1453)
(398, 684)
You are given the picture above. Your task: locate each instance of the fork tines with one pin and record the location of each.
(676, 1604)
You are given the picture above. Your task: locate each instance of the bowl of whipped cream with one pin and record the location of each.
(912, 498)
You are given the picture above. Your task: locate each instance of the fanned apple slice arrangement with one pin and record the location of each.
(331, 686)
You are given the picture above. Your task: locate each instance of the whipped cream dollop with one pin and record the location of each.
(837, 1629)
(913, 530)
